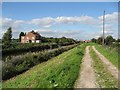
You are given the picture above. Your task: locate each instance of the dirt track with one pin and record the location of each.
(108, 64)
(86, 77)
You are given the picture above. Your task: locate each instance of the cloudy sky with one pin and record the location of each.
(78, 20)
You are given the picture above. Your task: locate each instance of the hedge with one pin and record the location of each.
(30, 48)
(22, 63)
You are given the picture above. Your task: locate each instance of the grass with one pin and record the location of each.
(0, 85)
(109, 53)
(58, 72)
(104, 78)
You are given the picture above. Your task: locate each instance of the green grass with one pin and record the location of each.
(104, 78)
(58, 72)
(110, 54)
(0, 85)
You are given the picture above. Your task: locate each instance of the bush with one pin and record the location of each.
(20, 64)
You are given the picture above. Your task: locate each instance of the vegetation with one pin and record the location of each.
(13, 46)
(110, 50)
(110, 53)
(16, 65)
(21, 34)
(58, 72)
(58, 40)
(23, 48)
(7, 37)
(104, 77)
(109, 40)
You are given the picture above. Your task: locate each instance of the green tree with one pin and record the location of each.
(118, 40)
(99, 40)
(21, 34)
(94, 40)
(109, 39)
(7, 37)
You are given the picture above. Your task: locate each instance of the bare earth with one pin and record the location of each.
(86, 77)
(111, 68)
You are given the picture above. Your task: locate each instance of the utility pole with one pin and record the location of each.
(103, 41)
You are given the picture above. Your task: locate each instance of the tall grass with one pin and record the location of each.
(110, 53)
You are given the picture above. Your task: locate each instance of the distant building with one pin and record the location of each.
(87, 41)
(31, 37)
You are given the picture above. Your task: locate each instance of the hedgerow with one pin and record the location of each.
(23, 48)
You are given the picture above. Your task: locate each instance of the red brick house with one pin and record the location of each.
(31, 37)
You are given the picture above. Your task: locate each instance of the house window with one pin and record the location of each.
(32, 41)
(33, 37)
(22, 37)
(37, 41)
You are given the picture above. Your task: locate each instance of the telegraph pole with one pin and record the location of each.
(103, 41)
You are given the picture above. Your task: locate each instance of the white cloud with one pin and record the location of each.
(49, 21)
(110, 18)
(9, 22)
(15, 24)
(111, 24)
(60, 33)
(45, 23)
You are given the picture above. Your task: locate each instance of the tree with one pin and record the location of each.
(93, 40)
(118, 40)
(21, 34)
(109, 39)
(7, 36)
(44, 39)
(99, 40)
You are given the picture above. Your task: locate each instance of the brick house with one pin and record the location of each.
(86, 41)
(31, 37)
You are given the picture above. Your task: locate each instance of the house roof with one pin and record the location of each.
(35, 33)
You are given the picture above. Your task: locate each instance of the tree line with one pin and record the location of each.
(9, 42)
(109, 40)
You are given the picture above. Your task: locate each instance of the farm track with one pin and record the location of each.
(86, 78)
(110, 67)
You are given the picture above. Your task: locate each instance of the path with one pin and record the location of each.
(110, 67)
(86, 77)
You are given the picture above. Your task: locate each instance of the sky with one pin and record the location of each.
(78, 20)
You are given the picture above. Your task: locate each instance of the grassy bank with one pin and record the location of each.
(60, 71)
(109, 53)
(19, 64)
(104, 78)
